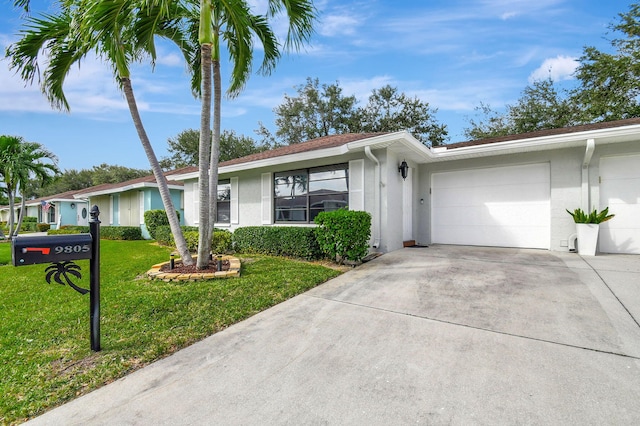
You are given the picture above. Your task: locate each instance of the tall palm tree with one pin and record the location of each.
(235, 25)
(110, 29)
(21, 161)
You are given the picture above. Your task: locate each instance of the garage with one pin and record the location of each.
(620, 190)
(497, 206)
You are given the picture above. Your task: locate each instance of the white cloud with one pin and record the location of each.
(337, 25)
(558, 69)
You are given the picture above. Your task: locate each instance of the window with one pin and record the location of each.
(223, 200)
(300, 195)
(51, 214)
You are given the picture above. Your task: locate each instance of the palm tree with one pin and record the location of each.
(21, 161)
(111, 29)
(234, 24)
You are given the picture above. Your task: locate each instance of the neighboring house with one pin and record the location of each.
(124, 204)
(508, 192)
(56, 210)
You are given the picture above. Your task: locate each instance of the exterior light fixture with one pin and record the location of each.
(404, 169)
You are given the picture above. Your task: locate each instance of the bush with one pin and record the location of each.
(121, 233)
(343, 234)
(220, 240)
(156, 218)
(164, 236)
(68, 229)
(277, 241)
(30, 219)
(28, 227)
(43, 227)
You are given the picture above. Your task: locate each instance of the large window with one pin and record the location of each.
(300, 195)
(224, 201)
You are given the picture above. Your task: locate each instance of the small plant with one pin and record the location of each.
(579, 216)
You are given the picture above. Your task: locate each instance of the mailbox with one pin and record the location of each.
(50, 248)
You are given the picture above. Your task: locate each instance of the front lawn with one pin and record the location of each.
(45, 355)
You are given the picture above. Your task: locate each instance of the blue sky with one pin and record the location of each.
(452, 54)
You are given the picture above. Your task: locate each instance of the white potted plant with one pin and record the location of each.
(588, 226)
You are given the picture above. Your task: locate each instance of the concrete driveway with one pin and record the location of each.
(438, 335)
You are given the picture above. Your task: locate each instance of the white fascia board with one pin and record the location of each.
(564, 140)
(124, 189)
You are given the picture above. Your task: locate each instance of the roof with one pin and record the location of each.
(547, 132)
(142, 182)
(323, 142)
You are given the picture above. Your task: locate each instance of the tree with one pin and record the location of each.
(184, 148)
(20, 162)
(72, 179)
(316, 111)
(610, 82)
(234, 24)
(120, 32)
(323, 110)
(391, 111)
(541, 106)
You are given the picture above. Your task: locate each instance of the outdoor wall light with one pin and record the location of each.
(404, 169)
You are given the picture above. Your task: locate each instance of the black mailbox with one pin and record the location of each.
(50, 248)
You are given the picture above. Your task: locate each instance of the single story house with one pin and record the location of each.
(56, 210)
(124, 204)
(510, 191)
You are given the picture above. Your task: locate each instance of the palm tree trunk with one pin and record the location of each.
(23, 207)
(12, 204)
(204, 239)
(215, 145)
(163, 187)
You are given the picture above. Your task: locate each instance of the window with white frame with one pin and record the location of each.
(299, 195)
(223, 201)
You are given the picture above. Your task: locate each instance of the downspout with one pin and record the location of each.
(376, 196)
(586, 193)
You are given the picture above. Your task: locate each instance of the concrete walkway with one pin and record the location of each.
(438, 335)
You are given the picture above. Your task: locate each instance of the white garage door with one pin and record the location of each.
(620, 190)
(498, 206)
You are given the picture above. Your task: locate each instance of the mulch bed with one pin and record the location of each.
(179, 268)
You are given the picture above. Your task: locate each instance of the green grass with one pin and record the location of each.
(45, 355)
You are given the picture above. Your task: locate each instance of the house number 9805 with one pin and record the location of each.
(72, 249)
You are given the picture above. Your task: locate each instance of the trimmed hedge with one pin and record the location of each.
(344, 234)
(69, 229)
(221, 240)
(43, 227)
(121, 233)
(106, 232)
(277, 241)
(155, 219)
(29, 219)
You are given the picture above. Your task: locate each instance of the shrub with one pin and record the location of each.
(343, 234)
(220, 240)
(277, 241)
(43, 227)
(30, 219)
(156, 218)
(28, 226)
(164, 236)
(191, 237)
(121, 233)
(68, 229)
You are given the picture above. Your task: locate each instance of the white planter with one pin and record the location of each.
(587, 238)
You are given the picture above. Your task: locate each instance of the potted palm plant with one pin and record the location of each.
(588, 226)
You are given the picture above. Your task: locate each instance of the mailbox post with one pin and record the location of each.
(94, 279)
(60, 251)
